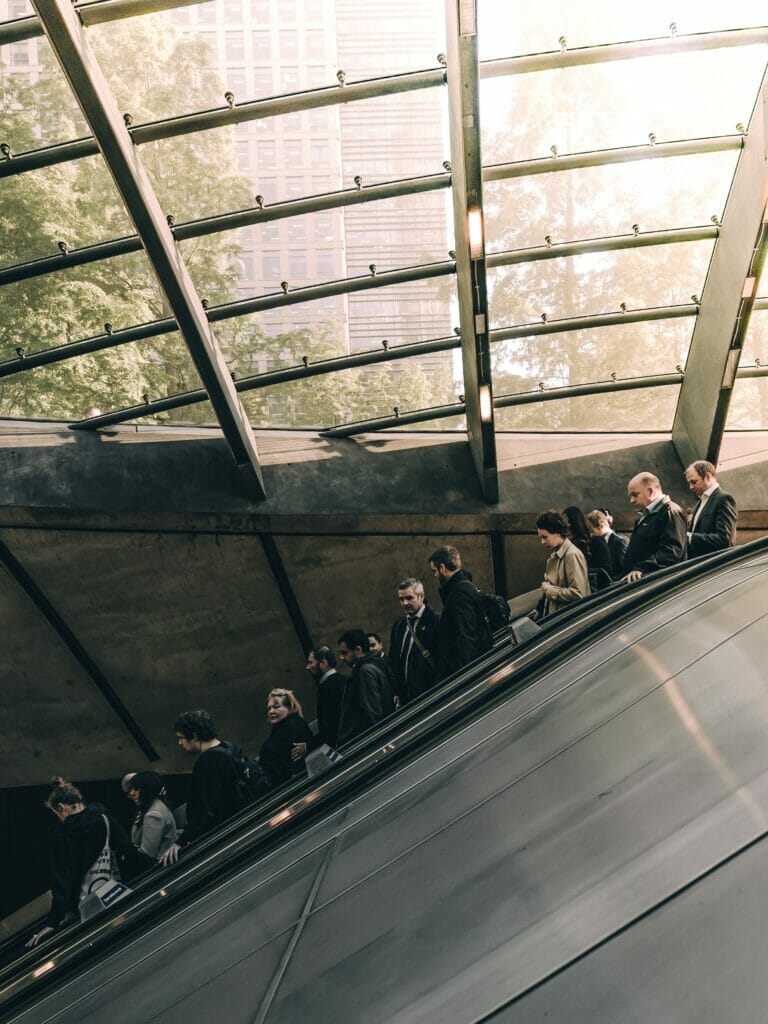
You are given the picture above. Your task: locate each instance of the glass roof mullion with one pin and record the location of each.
(619, 155)
(227, 222)
(638, 240)
(67, 37)
(727, 300)
(629, 50)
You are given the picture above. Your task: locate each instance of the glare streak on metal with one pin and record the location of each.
(578, 323)
(559, 250)
(629, 50)
(621, 155)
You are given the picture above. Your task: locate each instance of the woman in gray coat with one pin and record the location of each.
(154, 829)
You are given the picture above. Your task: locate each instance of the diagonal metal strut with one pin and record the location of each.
(67, 37)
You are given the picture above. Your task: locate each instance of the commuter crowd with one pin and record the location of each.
(90, 846)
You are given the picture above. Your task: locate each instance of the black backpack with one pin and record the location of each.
(495, 611)
(252, 781)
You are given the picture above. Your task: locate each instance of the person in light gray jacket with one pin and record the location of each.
(154, 829)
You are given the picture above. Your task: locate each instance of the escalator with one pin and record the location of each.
(545, 825)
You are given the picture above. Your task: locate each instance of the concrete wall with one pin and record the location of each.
(143, 545)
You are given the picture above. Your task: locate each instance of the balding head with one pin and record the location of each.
(643, 490)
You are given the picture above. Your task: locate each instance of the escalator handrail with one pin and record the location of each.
(468, 691)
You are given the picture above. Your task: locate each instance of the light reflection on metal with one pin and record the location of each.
(630, 50)
(475, 229)
(637, 240)
(486, 404)
(620, 155)
(279, 818)
(44, 969)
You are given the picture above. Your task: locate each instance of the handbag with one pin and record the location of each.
(104, 869)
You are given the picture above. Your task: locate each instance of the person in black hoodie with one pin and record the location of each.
(463, 634)
(78, 840)
(214, 793)
(288, 728)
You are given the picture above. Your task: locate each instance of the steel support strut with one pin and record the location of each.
(727, 300)
(469, 228)
(67, 37)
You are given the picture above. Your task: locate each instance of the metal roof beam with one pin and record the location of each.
(156, 328)
(727, 300)
(96, 13)
(620, 155)
(67, 37)
(469, 231)
(361, 359)
(613, 243)
(504, 402)
(221, 117)
(227, 222)
(630, 50)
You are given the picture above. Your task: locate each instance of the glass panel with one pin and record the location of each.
(199, 415)
(384, 37)
(688, 95)
(102, 381)
(581, 357)
(73, 203)
(749, 402)
(598, 201)
(76, 303)
(356, 394)
(409, 312)
(383, 233)
(665, 275)
(37, 107)
(505, 29)
(647, 410)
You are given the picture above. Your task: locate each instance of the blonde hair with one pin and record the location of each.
(288, 700)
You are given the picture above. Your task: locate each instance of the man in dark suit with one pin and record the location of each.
(413, 644)
(660, 534)
(713, 524)
(463, 634)
(321, 665)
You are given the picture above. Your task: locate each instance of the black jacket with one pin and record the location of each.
(76, 843)
(463, 634)
(213, 793)
(414, 673)
(329, 695)
(658, 539)
(607, 554)
(367, 698)
(275, 753)
(715, 528)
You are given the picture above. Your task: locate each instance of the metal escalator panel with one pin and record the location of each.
(512, 847)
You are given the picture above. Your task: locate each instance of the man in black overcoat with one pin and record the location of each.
(463, 634)
(659, 538)
(413, 644)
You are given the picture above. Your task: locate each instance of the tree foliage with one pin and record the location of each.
(151, 73)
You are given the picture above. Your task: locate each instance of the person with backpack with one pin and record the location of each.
(215, 792)
(464, 632)
(86, 845)
(288, 728)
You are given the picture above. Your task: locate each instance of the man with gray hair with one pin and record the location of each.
(660, 533)
(713, 524)
(413, 644)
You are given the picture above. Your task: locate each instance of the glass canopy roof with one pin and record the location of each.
(301, 152)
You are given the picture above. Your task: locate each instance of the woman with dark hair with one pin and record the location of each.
(154, 829)
(85, 841)
(565, 575)
(578, 529)
(288, 727)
